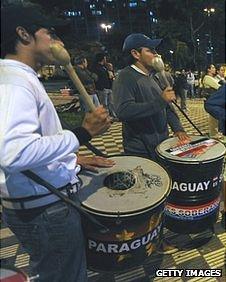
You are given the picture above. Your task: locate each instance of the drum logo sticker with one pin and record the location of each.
(191, 187)
(124, 247)
(191, 213)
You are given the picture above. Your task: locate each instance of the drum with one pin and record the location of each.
(12, 274)
(129, 199)
(197, 177)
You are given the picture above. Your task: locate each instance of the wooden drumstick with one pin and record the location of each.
(62, 56)
(158, 65)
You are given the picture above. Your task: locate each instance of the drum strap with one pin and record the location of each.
(76, 204)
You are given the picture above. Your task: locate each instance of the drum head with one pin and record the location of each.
(200, 149)
(132, 185)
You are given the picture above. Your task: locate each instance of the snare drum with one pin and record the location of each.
(129, 199)
(197, 176)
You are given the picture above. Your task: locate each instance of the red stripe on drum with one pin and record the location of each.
(217, 200)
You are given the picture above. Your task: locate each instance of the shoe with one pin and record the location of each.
(166, 248)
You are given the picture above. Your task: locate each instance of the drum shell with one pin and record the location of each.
(135, 225)
(131, 240)
(203, 182)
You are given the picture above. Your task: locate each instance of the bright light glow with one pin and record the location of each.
(197, 39)
(171, 51)
(106, 27)
(209, 11)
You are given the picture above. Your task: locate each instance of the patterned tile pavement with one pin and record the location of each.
(210, 255)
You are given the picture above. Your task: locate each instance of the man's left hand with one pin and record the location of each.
(183, 137)
(92, 163)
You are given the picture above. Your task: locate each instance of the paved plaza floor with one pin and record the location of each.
(208, 252)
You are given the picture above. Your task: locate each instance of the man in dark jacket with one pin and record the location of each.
(103, 83)
(140, 103)
(181, 86)
(88, 80)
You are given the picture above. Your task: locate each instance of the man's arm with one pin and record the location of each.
(22, 145)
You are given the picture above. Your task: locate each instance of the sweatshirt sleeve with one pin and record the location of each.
(22, 144)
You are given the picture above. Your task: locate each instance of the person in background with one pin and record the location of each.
(111, 72)
(181, 87)
(220, 77)
(32, 138)
(210, 85)
(191, 84)
(104, 82)
(88, 80)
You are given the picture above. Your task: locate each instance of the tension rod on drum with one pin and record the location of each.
(30, 174)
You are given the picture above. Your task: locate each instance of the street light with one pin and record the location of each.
(106, 27)
(209, 11)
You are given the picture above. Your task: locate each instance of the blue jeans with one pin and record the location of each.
(53, 238)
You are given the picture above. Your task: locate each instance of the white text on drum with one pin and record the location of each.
(191, 187)
(106, 247)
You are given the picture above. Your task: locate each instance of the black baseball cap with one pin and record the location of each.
(138, 40)
(31, 18)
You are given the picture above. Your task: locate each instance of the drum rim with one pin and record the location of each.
(140, 211)
(190, 161)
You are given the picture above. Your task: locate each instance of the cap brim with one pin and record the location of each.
(154, 43)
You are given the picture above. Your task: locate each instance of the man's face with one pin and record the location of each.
(212, 69)
(85, 63)
(144, 56)
(221, 71)
(41, 46)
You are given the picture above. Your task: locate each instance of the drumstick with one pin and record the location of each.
(158, 65)
(62, 56)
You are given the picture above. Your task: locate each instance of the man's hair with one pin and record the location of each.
(9, 46)
(129, 58)
(99, 57)
(29, 16)
(218, 66)
(78, 60)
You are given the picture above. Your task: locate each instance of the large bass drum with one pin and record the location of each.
(129, 199)
(197, 176)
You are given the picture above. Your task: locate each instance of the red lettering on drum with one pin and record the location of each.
(191, 213)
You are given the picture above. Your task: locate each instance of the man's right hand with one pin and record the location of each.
(97, 122)
(169, 95)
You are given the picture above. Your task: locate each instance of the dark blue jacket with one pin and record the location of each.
(215, 106)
